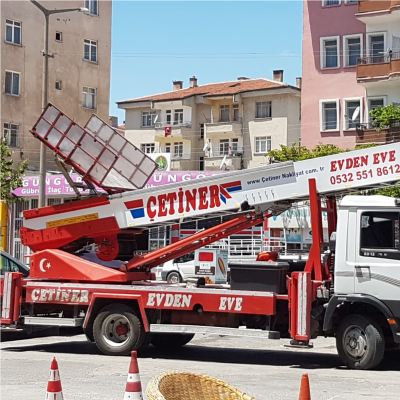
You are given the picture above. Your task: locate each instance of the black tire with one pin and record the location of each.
(174, 277)
(171, 340)
(131, 336)
(360, 342)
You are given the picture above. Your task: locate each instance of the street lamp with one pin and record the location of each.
(47, 13)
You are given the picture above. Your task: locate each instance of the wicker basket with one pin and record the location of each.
(189, 386)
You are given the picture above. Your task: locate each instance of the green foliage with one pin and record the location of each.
(385, 117)
(10, 178)
(298, 153)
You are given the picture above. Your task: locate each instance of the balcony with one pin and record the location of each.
(373, 6)
(367, 133)
(216, 128)
(233, 161)
(178, 130)
(379, 67)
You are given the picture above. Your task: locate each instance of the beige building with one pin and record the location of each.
(229, 125)
(79, 69)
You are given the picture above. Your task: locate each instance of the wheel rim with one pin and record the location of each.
(116, 330)
(173, 278)
(355, 342)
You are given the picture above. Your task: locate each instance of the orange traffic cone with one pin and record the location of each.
(305, 388)
(54, 389)
(133, 389)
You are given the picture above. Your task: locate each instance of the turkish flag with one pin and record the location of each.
(167, 131)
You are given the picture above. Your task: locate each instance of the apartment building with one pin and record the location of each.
(228, 125)
(79, 68)
(333, 40)
(378, 71)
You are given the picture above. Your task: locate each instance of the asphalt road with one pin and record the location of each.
(263, 369)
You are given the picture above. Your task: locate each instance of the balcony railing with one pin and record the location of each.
(161, 125)
(225, 121)
(230, 153)
(368, 6)
(367, 133)
(379, 58)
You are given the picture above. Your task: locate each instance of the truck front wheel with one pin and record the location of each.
(117, 330)
(360, 342)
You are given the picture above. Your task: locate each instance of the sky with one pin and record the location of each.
(155, 43)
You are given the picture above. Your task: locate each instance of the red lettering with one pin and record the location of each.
(190, 199)
(333, 166)
(383, 156)
(392, 156)
(356, 162)
(214, 196)
(171, 197)
(364, 161)
(162, 210)
(376, 158)
(180, 203)
(349, 163)
(151, 213)
(341, 164)
(203, 203)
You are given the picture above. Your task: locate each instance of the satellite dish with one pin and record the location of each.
(206, 146)
(156, 118)
(356, 113)
(222, 162)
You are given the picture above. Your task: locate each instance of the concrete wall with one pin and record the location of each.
(332, 83)
(67, 66)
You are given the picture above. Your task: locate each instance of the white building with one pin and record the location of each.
(228, 125)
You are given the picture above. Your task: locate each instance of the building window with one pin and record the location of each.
(327, 3)
(263, 109)
(236, 112)
(148, 118)
(352, 46)
(234, 145)
(90, 50)
(224, 113)
(58, 85)
(201, 164)
(178, 149)
(92, 6)
(11, 85)
(376, 47)
(178, 117)
(262, 144)
(58, 36)
(329, 115)
(352, 113)
(13, 31)
(329, 52)
(373, 103)
(168, 147)
(223, 147)
(201, 131)
(351, 1)
(169, 117)
(148, 148)
(89, 98)
(11, 134)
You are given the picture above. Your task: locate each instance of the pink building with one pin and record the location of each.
(333, 103)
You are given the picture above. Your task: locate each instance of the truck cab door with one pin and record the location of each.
(377, 258)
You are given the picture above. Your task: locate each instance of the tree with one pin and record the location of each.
(298, 153)
(385, 117)
(10, 178)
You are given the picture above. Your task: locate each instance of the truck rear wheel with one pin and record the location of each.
(171, 340)
(117, 330)
(360, 342)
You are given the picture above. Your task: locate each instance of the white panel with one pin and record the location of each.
(98, 172)
(92, 146)
(107, 158)
(51, 114)
(117, 142)
(105, 133)
(63, 123)
(66, 146)
(82, 159)
(94, 125)
(54, 136)
(75, 133)
(42, 127)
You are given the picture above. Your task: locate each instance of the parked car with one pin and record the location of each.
(178, 270)
(10, 264)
